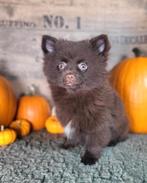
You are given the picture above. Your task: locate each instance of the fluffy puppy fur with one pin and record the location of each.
(87, 106)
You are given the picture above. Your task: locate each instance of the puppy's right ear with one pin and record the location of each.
(48, 44)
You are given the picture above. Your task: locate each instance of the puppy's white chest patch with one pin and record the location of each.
(69, 130)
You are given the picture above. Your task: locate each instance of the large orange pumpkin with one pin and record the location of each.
(8, 102)
(129, 78)
(35, 109)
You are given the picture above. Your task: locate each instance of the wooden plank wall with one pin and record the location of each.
(22, 23)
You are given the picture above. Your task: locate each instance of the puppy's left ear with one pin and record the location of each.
(101, 44)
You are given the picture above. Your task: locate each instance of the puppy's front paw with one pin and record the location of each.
(88, 159)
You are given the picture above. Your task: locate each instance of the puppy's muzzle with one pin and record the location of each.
(70, 79)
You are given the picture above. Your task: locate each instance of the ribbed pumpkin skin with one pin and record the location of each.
(35, 109)
(8, 102)
(129, 78)
(22, 127)
(53, 125)
(7, 136)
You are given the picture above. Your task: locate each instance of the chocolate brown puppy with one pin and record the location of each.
(85, 103)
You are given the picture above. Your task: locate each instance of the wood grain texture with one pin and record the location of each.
(22, 24)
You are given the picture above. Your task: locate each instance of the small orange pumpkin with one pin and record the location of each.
(129, 78)
(54, 126)
(22, 127)
(7, 136)
(35, 109)
(8, 102)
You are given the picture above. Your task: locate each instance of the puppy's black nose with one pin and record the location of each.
(70, 79)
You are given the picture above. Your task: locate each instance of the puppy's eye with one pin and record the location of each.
(61, 66)
(82, 66)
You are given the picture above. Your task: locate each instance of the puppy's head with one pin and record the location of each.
(75, 66)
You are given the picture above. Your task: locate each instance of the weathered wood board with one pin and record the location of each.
(22, 23)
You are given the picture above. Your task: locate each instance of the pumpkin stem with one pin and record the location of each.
(32, 90)
(137, 52)
(2, 128)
